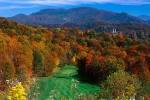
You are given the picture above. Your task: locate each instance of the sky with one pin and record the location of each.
(12, 7)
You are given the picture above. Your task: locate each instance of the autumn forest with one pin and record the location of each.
(117, 64)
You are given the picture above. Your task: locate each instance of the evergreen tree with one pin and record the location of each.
(38, 63)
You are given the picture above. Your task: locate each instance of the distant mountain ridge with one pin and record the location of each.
(75, 16)
(144, 17)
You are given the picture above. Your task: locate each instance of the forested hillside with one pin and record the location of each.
(88, 18)
(77, 16)
(117, 63)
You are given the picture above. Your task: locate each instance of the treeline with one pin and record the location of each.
(26, 52)
(119, 64)
(116, 62)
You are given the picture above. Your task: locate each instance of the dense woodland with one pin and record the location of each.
(117, 63)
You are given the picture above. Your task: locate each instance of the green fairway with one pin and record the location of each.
(62, 85)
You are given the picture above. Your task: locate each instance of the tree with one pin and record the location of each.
(97, 68)
(37, 37)
(38, 63)
(122, 85)
(21, 56)
(9, 71)
(51, 61)
(22, 74)
(115, 63)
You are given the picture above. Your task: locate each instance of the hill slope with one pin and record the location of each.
(144, 17)
(77, 16)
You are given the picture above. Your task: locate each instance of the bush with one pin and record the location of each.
(17, 92)
(122, 85)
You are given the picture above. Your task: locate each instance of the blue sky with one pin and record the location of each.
(13, 7)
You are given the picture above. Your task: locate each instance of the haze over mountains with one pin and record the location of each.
(75, 16)
(14, 8)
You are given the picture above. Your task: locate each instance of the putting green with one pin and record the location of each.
(62, 85)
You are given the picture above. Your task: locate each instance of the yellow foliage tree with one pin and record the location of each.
(17, 92)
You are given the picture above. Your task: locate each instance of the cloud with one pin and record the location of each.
(73, 2)
(15, 7)
(41, 2)
(130, 2)
(19, 4)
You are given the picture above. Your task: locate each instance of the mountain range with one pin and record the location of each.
(145, 17)
(76, 16)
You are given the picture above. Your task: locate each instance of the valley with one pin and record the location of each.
(75, 53)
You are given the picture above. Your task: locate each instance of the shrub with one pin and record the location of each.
(17, 92)
(122, 85)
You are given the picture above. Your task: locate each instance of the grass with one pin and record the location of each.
(63, 84)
